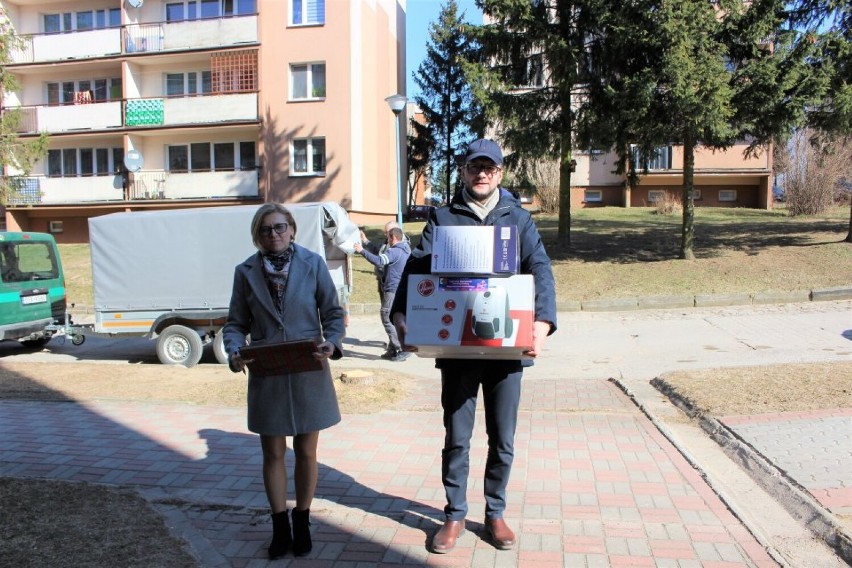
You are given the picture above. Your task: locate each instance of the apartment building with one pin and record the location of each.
(723, 178)
(160, 104)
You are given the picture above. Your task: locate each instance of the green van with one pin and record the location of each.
(32, 288)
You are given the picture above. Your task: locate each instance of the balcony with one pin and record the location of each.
(70, 118)
(136, 38)
(141, 186)
(207, 109)
(162, 112)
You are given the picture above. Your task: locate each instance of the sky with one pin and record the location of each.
(420, 15)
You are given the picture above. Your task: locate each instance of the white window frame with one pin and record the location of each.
(309, 148)
(727, 195)
(589, 198)
(655, 194)
(73, 17)
(310, 81)
(188, 77)
(696, 194)
(303, 5)
(55, 227)
(110, 83)
(111, 168)
(236, 144)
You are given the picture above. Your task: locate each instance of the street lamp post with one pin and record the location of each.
(397, 104)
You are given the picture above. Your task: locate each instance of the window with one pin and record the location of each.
(197, 9)
(656, 194)
(727, 195)
(64, 93)
(178, 159)
(308, 156)
(592, 195)
(660, 159)
(238, 7)
(307, 12)
(192, 10)
(204, 156)
(82, 21)
(190, 83)
(696, 194)
(200, 157)
(223, 156)
(71, 162)
(307, 81)
(529, 71)
(55, 227)
(248, 160)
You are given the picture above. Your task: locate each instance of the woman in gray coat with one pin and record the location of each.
(282, 293)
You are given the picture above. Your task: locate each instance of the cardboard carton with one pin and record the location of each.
(470, 317)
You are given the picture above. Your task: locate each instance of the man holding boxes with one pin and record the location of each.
(482, 203)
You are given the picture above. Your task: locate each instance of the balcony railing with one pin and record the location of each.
(137, 38)
(139, 186)
(159, 111)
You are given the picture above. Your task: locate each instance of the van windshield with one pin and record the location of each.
(27, 261)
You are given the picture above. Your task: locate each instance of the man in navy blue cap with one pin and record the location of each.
(482, 203)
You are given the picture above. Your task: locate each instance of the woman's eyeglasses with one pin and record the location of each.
(474, 169)
(279, 228)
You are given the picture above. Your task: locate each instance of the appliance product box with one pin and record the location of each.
(470, 317)
(475, 250)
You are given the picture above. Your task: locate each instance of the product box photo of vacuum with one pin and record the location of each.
(469, 317)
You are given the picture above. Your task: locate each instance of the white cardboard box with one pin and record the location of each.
(486, 250)
(470, 317)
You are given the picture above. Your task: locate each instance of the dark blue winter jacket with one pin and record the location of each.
(508, 211)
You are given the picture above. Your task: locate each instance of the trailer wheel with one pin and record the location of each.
(179, 345)
(78, 339)
(219, 348)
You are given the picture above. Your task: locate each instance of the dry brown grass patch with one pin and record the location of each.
(757, 390)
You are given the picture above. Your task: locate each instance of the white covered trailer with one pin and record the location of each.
(167, 275)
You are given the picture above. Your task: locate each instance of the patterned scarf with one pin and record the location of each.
(277, 268)
(275, 261)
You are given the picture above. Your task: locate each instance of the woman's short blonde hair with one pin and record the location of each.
(263, 211)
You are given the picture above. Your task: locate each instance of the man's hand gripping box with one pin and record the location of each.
(470, 317)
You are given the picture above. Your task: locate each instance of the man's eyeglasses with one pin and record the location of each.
(279, 228)
(474, 169)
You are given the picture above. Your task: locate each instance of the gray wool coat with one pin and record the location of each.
(291, 403)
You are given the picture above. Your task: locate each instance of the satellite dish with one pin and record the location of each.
(135, 3)
(133, 160)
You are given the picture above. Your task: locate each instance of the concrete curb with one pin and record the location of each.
(794, 498)
(650, 302)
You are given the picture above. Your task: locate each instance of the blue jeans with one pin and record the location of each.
(501, 392)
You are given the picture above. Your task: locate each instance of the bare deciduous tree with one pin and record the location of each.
(811, 169)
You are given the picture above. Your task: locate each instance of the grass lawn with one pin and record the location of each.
(617, 253)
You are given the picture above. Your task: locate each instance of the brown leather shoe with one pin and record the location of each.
(502, 536)
(445, 539)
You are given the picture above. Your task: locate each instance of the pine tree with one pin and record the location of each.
(453, 116)
(531, 50)
(16, 156)
(699, 74)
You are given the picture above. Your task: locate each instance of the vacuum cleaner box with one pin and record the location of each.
(469, 317)
(475, 250)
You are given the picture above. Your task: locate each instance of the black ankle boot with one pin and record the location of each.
(302, 532)
(281, 536)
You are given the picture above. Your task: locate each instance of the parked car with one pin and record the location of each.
(419, 212)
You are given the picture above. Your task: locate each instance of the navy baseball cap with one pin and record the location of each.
(484, 148)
